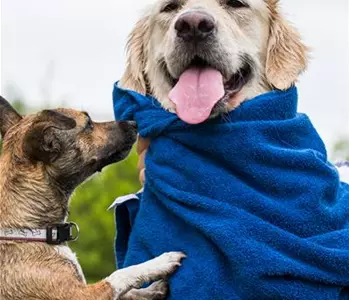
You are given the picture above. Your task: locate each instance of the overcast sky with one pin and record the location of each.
(73, 51)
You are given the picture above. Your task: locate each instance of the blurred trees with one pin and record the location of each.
(95, 247)
(341, 149)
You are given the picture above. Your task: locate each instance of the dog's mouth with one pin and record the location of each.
(114, 154)
(112, 158)
(202, 88)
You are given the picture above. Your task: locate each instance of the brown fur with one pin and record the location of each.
(23, 277)
(287, 56)
(45, 156)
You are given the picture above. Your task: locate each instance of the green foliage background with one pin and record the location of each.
(89, 209)
(89, 206)
(341, 149)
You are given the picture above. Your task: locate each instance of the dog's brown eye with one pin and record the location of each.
(236, 4)
(170, 7)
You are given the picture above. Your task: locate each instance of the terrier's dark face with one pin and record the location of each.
(62, 144)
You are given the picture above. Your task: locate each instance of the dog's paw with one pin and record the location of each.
(157, 291)
(168, 262)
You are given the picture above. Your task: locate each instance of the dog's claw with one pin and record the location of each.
(169, 262)
(159, 289)
(156, 291)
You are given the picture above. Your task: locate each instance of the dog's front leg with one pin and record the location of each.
(122, 281)
(156, 291)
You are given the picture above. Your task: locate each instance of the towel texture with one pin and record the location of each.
(250, 198)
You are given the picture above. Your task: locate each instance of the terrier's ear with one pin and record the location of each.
(43, 141)
(8, 116)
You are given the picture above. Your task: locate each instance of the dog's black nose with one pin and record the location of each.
(194, 26)
(127, 125)
(132, 124)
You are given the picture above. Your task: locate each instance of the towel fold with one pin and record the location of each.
(249, 197)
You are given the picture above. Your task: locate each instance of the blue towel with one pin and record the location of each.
(125, 215)
(250, 198)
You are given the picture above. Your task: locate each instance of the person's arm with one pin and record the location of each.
(142, 146)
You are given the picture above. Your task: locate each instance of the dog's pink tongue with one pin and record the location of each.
(196, 93)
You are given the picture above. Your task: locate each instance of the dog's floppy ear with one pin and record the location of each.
(134, 76)
(287, 56)
(42, 141)
(8, 116)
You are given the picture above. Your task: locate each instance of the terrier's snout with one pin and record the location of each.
(194, 26)
(126, 125)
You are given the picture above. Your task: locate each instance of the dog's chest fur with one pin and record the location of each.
(67, 253)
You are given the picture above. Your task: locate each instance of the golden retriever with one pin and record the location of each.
(202, 58)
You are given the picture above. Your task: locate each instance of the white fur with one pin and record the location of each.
(246, 33)
(66, 252)
(344, 173)
(136, 276)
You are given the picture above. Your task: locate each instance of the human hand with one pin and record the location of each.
(142, 146)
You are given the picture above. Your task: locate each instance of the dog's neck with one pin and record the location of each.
(28, 198)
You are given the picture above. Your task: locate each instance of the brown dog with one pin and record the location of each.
(45, 156)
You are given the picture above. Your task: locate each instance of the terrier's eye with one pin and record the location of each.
(236, 3)
(89, 124)
(170, 7)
